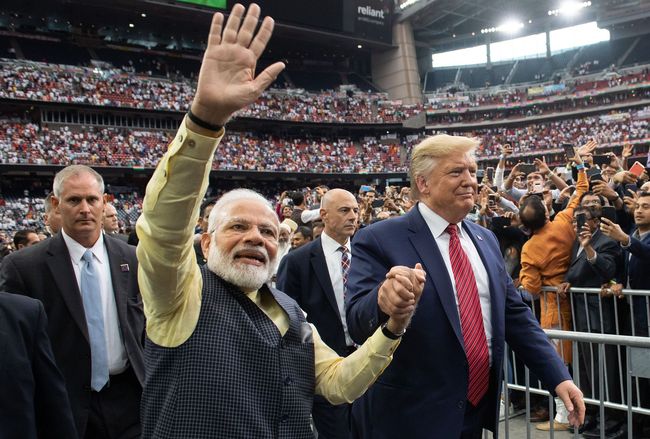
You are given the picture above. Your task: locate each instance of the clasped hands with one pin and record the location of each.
(399, 295)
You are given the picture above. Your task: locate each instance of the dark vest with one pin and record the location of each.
(235, 377)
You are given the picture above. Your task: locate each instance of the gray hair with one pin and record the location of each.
(48, 202)
(217, 215)
(74, 171)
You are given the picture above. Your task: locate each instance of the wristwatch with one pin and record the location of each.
(387, 332)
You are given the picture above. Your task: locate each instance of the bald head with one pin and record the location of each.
(339, 211)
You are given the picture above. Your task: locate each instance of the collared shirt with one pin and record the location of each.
(117, 359)
(171, 284)
(333, 258)
(437, 225)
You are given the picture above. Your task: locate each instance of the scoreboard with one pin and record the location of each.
(367, 19)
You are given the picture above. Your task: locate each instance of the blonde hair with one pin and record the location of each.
(425, 155)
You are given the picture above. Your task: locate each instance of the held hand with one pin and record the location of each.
(399, 294)
(627, 150)
(614, 231)
(227, 81)
(542, 166)
(601, 188)
(625, 177)
(563, 289)
(587, 148)
(572, 398)
(584, 236)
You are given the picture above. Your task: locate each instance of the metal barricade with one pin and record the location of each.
(619, 361)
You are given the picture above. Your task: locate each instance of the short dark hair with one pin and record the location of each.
(532, 213)
(594, 212)
(602, 200)
(297, 197)
(304, 231)
(207, 203)
(20, 237)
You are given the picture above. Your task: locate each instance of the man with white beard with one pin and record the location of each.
(227, 356)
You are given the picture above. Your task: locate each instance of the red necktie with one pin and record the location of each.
(471, 319)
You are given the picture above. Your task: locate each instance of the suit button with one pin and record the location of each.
(288, 381)
(461, 404)
(191, 143)
(284, 418)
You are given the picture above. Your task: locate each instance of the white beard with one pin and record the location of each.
(247, 277)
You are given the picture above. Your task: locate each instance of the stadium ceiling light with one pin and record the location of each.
(408, 3)
(569, 8)
(359, 46)
(509, 27)
(143, 15)
(131, 25)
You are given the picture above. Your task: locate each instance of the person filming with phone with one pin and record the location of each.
(594, 261)
(545, 259)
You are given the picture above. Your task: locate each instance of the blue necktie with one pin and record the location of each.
(91, 294)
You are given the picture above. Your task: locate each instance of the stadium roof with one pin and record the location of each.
(450, 24)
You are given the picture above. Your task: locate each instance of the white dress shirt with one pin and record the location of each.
(117, 359)
(437, 225)
(333, 259)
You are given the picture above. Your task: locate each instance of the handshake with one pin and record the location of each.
(399, 295)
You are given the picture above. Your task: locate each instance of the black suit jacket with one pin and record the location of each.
(44, 271)
(33, 401)
(303, 275)
(582, 273)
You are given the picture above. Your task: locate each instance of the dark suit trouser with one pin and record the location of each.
(331, 421)
(115, 410)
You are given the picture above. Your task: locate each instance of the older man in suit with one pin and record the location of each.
(87, 282)
(315, 276)
(445, 380)
(33, 402)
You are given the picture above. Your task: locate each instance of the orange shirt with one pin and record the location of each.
(546, 256)
(545, 259)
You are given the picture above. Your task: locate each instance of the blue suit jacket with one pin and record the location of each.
(422, 394)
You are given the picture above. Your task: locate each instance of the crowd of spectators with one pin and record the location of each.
(120, 88)
(28, 143)
(571, 88)
(540, 108)
(542, 137)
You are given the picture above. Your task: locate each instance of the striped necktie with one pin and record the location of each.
(471, 319)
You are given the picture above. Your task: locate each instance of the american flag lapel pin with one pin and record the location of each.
(124, 267)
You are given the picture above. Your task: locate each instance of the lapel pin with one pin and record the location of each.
(124, 267)
(479, 237)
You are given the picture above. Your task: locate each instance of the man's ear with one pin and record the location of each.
(206, 238)
(55, 203)
(422, 184)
